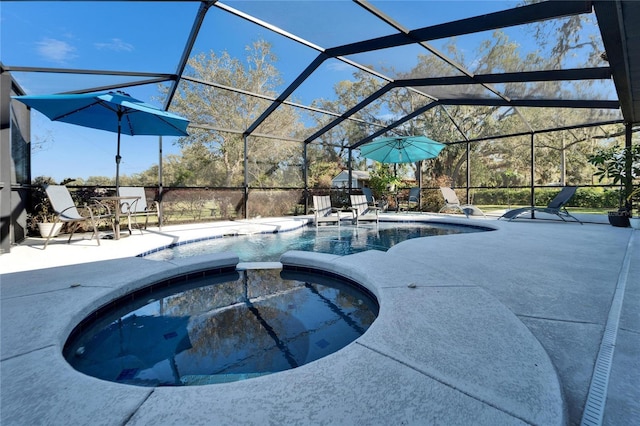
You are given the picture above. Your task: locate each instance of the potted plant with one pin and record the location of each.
(43, 219)
(611, 164)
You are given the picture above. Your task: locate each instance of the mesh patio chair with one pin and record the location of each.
(137, 206)
(67, 212)
(555, 206)
(367, 192)
(451, 201)
(413, 200)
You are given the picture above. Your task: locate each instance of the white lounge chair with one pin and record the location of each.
(136, 206)
(67, 212)
(362, 211)
(451, 201)
(323, 211)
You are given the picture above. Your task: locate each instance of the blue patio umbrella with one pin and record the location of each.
(113, 111)
(401, 149)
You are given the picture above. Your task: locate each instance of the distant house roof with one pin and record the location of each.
(357, 177)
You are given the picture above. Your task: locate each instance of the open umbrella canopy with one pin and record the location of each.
(401, 149)
(113, 111)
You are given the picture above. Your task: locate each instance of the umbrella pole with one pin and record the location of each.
(116, 219)
(118, 153)
(160, 189)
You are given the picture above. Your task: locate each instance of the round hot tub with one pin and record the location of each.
(220, 327)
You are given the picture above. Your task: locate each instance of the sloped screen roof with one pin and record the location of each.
(321, 43)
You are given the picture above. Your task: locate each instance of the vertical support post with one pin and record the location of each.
(246, 176)
(628, 179)
(349, 162)
(160, 187)
(533, 175)
(468, 172)
(305, 178)
(5, 163)
(563, 164)
(419, 171)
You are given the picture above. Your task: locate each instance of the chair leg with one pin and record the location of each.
(73, 226)
(55, 222)
(129, 223)
(95, 227)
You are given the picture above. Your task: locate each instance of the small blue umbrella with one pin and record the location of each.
(401, 149)
(113, 111)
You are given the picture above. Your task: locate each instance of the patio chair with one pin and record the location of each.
(367, 192)
(67, 212)
(451, 201)
(371, 200)
(362, 211)
(136, 206)
(413, 199)
(555, 206)
(323, 212)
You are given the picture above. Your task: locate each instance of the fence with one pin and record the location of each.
(185, 205)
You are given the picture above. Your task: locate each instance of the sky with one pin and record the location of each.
(144, 37)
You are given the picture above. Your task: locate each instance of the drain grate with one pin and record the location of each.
(594, 408)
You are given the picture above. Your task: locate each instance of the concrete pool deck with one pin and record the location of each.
(502, 327)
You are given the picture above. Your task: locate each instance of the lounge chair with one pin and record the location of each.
(451, 201)
(323, 212)
(136, 206)
(362, 211)
(67, 212)
(412, 200)
(555, 206)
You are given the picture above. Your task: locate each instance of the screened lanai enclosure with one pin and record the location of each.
(282, 94)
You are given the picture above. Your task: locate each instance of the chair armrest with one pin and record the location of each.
(62, 212)
(99, 205)
(132, 205)
(353, 210)
(125, 207)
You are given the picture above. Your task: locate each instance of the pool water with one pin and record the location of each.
(324, 239)
(221, 328)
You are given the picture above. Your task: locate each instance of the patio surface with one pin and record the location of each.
(501, 327)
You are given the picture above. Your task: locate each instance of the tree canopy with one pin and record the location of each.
(214, 152)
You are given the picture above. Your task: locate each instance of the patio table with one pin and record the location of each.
(117, 201)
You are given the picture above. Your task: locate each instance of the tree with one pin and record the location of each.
(216, 157)
(332, 148)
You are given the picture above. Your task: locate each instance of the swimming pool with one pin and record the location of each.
(220, 328)
(346, 239)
